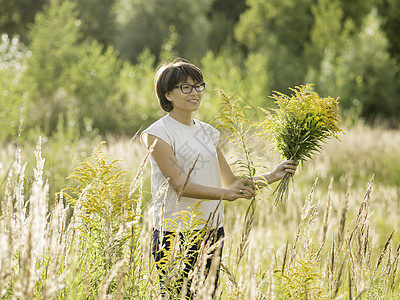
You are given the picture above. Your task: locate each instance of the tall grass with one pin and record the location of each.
(335, 237)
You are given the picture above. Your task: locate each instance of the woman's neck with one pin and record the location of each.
(182, 118)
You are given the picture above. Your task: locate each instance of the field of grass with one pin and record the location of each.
(335, 238)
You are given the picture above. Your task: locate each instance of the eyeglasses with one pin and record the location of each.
(187, 88)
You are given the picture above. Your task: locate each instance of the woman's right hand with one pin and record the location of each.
(241, 188)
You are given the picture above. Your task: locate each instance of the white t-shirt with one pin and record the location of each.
(188, 142)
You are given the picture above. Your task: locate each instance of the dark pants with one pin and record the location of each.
(190, 259)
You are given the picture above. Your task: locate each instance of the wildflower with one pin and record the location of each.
(298, 127)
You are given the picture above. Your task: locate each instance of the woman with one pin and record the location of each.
(188, 153)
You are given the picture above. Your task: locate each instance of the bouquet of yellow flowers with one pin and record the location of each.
(298, 127)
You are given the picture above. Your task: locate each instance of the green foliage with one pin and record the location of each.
(285, 21)
(248, 80)
(279, 29)
(302, 280)
(65, 74)
(54, 45)
(147, 24)
(220, 72)
(18, 15)
(348, 50)
(105, 216)
(13, 55)
(102, 194)
(94, 80)
(360, 72)
(63, 151)
(326, 35)
(256, 81)
(390, 10)
(341, 34)
(98, 21)
(258, 46)
(357, 10)
(54, 48)
(366, 64)
(137, 83)
(223, 17)
(232, 118)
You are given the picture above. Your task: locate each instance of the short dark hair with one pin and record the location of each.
(169, 75)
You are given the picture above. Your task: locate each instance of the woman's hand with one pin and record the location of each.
(241, 188)
(287, 166)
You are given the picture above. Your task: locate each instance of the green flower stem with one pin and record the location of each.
(282, 190)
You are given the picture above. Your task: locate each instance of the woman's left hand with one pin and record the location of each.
(287, 166)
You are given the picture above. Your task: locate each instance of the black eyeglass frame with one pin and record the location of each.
(202, 86)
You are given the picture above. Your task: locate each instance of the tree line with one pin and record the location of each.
(90, 65)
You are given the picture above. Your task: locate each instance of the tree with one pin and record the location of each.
(326, 33)
(68, 74)
(329, 35)
(356, 10)
(223, 17)
(17, 15)
(137, 83)
(54, 47)
(98, 20)
(390, 13)
(245, 78)
(13, 55)
(280, 30)
(364, 74)
(148, 24)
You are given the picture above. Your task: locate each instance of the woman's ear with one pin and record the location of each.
(168, 96)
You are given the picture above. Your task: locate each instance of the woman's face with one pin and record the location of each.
(188, 101)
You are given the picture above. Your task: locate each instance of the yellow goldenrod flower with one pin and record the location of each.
(299, 125)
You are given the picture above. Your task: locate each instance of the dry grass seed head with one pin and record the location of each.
(382, 255)
(341, 233)
(327, 210)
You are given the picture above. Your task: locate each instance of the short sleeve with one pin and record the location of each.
(158, 130)
(210, 133)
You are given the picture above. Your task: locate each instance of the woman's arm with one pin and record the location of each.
(287, 166)
(228, 178)
(168, 164)
(263, 180)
